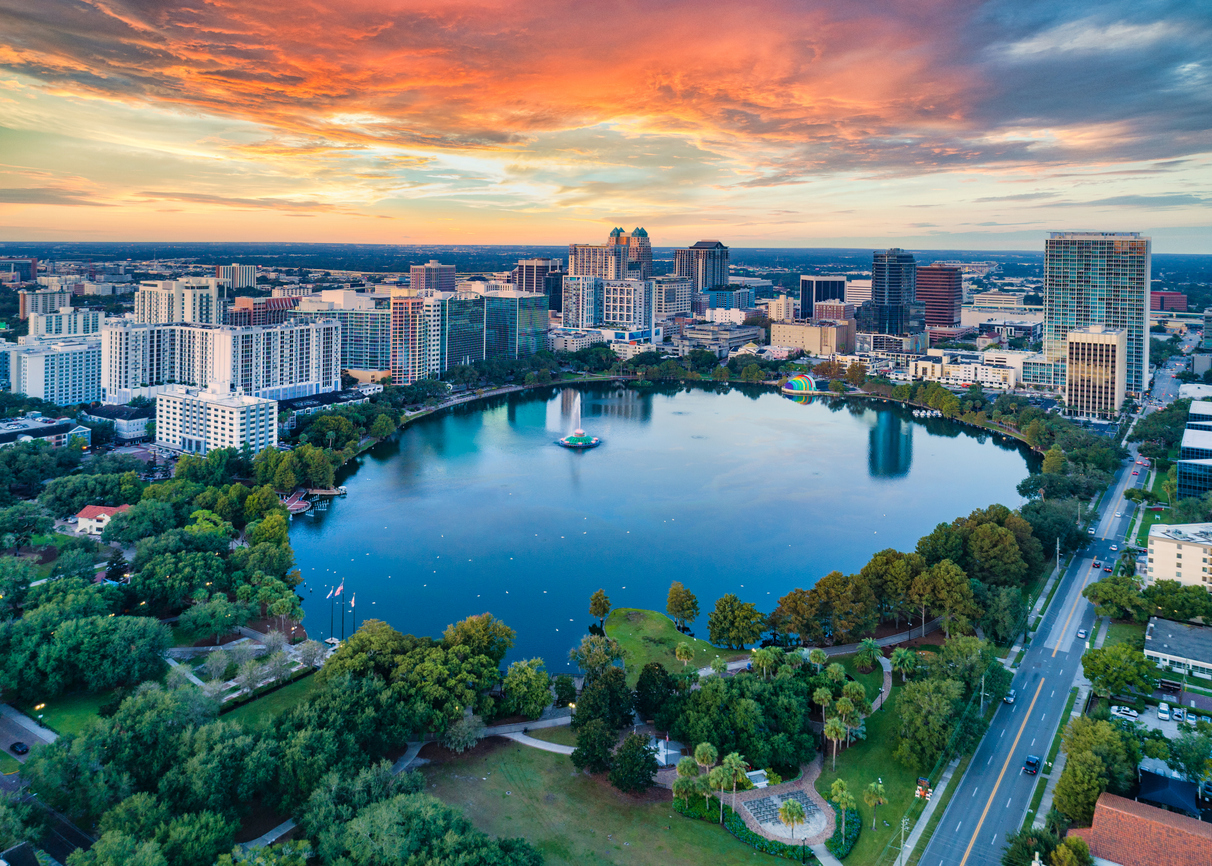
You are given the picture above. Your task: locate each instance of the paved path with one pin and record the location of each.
(539, 744)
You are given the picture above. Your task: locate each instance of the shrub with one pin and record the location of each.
(838, 846)
(735, 825)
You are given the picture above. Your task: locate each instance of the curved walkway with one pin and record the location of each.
(538, 744)
(807, 784)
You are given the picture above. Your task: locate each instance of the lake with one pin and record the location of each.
(476, 509)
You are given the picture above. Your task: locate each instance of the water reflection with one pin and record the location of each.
(889, 446)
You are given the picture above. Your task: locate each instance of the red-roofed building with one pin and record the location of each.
(1129, 833)
(94, 518)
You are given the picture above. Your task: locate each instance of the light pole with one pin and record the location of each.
(904, 827)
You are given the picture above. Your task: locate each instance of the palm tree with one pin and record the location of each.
(823, 698)
(857, 695)
(734, 765)
(836, 672)
(904, 660)
(835, 731)
(687, 768)
(764, 659)
(818, 657)
(846, 715)
(685, 787)
(683, 653)
(705, 755)
(874, 797)
(840, 794)
(718, 777)
(791, 813)
(868, 652)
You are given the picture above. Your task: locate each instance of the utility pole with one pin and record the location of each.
(982, 694)
(904, 827)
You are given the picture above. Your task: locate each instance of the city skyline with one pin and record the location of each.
(942, 125)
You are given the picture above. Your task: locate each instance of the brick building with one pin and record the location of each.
(1129, 833)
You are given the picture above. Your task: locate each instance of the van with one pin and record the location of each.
(1163, 711)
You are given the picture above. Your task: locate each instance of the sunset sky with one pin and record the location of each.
(926, 123)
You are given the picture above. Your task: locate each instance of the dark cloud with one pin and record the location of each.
(46, 195)
(1149, 201)
(1023, 196)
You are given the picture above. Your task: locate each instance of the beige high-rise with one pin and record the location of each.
(1096, 370)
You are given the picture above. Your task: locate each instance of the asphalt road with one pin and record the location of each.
(992, 799)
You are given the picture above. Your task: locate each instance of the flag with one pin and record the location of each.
(327, 597)
(352, 600)
(340, 588)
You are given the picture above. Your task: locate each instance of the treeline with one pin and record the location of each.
(164, 782)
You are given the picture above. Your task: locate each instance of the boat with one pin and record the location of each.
(578, 441)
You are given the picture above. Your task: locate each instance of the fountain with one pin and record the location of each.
(577, 440)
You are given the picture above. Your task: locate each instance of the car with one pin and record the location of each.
(1178, 714)
(1097, 564)
(1010, 696)
(1090, 531)
(1081, 633)
(19, 748)
(1115, 547)
(1107, 569)
(1134, 472)
(1031, 767)
(1163, 711)
(1118, 514)
(1125, 712)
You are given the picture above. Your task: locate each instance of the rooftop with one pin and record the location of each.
(1196, 533)
(1192, 642)
(92, 512)
(120, 413)
(330, 398)
(1196, 438)
(1135, 834)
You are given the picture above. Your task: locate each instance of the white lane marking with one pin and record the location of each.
(1008, 799)
(990, 761)
(957, 826)
(1032, 742)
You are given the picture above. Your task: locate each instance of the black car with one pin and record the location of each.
(1032, 765)
(1010, 696)
(19, 749)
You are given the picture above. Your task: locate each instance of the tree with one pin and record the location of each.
(683, 653)
(835, 732)
(23, 521)
(634, 767)
(953, 596)
(993, 556)
(734, 623)
(216, 664)
(1113, 670)
(764, 659)
(837, 387)
(195, 839)
(944, 542)
(720, 374)
(928, 710)
(483, 634)
(594, 744)
(681, 605)
(1082, 781)
(1023, 845)
(1054, 461)
(599, 606)
(653, 689)
(1005, 612)
(1119, 752)
(840, 794)
(869, 650)
(905, 662)
(836, 672)
(595, 654)
(735, 770)
(464, 733)
(217, 617)
(117, 849)
(1117, 596)
(271, 530)
(823, 698)
(1191, 755)
(527, 688)
(1073, 851)
(791, 814)
(15, 577)
(382, 427)
(606, 697)
(565, 690)
(817, 657)
(874, 797)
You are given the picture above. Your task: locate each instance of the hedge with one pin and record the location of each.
(734, 824)
(838, 846)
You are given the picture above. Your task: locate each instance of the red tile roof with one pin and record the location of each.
(1133, 834)
(92, 512)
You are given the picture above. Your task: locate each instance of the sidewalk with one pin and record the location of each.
(539, 744)
(923, 820)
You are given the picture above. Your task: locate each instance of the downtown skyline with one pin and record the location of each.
(933, 125)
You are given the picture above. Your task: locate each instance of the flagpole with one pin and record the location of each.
(331, 613)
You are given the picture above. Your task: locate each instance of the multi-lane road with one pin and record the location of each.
(991, 800)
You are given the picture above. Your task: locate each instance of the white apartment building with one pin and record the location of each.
(947, 372)
(1180, 552)
(42, 301)
(628, 303)
(858, 291)
(61, 372)
(237, 276)
(194, 300)
(66, 322)
(672, 296)
(292, 359)
(569, 340)
(583, 299)
(197, 420)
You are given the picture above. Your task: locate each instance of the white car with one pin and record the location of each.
(1125, 713)
(1081, 633)
(1163, 711)
(1119, 514)
(1115, 547)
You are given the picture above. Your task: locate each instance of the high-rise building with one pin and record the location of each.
(639, 251)
(237, 276)
(365, 326)
(195, 300)
(197, 420)
(433, 276)
(1099, 278)
(782, 309)
(515, 324)
(606, 262)
(66, 322)
(64, 372)
(940, 289)
(1167, 301)
(1095, 370)
(531, 275)
(24, 270)
(893, 291)
(814, 289)
(627, 304)
(671, 296)
(729, 298)
(583, 299)
(48, 301)
(409, 361)
(858, 292)
(259, 311)
(836, 310)
(294, 359)
(705, 263)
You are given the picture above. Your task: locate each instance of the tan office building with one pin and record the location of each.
(1180, 552)
(1096, 371)
(815, 336)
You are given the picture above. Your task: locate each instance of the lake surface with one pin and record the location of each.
(475, 509)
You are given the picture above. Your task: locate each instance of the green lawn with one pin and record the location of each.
(574, 820)
(648, 636)
(69, 714)
(865, 762)
(263, 709)
(1130, 633)
(872, 680)
(8, 764)
(561, 734)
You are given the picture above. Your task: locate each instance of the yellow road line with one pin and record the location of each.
(996, 784)
(1072, 610)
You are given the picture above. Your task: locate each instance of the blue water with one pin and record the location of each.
(477, 510)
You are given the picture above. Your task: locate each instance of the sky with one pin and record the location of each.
(923, 123)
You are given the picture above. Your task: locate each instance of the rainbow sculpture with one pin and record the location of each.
(800, 383)
(578, 441)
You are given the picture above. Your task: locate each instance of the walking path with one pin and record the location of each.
(539, 744)
(924, 818)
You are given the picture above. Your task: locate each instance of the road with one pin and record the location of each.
(992, 799)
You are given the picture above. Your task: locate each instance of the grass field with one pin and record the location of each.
(511, 790)
(648, 636)
(868, 761)
(8, 764)
(561, 734)
(872, 680)
(69, 714)
(263, 709)
(1130, 633)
